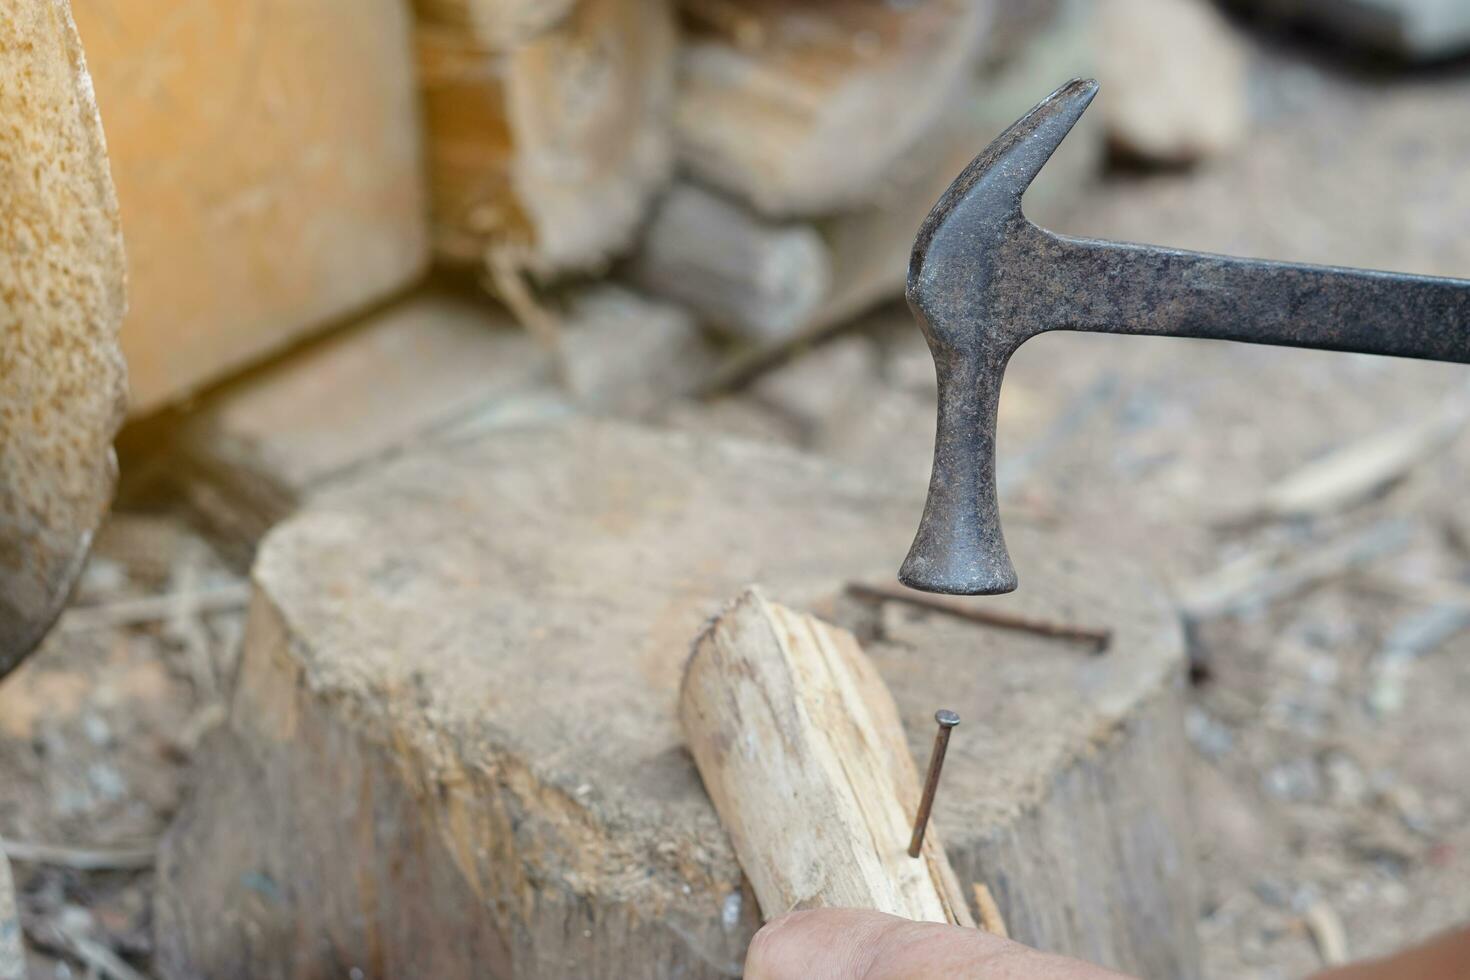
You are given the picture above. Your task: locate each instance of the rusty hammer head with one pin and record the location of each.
(983, 280)
(969, 287)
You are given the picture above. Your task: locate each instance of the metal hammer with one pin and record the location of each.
(983, 279)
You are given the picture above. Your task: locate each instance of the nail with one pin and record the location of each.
(947, 720)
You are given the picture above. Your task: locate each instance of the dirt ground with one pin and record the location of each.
(1329, 619)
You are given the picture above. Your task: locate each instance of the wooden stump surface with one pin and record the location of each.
(453, 749)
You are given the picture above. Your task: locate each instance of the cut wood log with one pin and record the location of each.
(548, 151)
(428, 368)
(453, 749)
(800, 747)
(736, 270)
(62, 380)
(268, 171)
(867, 248)
(805, 108)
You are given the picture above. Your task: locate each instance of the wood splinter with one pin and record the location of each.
(800, 747)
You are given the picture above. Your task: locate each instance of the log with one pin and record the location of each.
(800, 747)
(62, 380)
(453, 748)
(740, 272)
(268, 172)
(804, 109)
(426, 369)
(545, 154)
(715, 257)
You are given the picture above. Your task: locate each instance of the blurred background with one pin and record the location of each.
(355, 228)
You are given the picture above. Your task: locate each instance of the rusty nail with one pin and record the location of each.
(947, 720)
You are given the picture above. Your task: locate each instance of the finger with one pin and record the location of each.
(856, 944)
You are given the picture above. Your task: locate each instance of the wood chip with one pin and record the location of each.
(990, 918)
(1276, 572)
(81, 858)
(1359, 470)
(1327, 931)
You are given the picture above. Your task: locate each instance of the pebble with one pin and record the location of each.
(1295, 780)
(1348, 783)
(1207, 734)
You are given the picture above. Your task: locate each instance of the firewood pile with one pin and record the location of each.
(477, 212)
(759, 165)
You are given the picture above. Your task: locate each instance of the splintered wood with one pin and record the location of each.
(801, 748)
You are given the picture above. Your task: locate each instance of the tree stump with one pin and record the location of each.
(453, 747)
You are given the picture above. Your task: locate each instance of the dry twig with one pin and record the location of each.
(990, 918)
(1098, 638)
(81, 858)
(155, 608)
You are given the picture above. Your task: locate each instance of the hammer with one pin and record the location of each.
(983, 279)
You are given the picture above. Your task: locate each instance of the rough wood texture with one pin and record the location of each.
(548, 152)
(801, 749)
(736, 270)
(804, 108)
(62, 381)
(267, 160)
(453, 748)
(429, 368)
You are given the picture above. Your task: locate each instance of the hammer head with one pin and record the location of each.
(971, 288)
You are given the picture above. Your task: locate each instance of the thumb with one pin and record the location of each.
(857, 944)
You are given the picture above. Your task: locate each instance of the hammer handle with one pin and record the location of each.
(1164, 292)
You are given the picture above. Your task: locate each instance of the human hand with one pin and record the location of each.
(857, 944)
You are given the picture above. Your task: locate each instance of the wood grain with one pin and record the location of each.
(802, 751)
